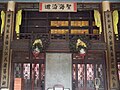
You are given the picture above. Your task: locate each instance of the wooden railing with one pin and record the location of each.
(55, 42)
(91, 37)
(51, 37)
(31, 35)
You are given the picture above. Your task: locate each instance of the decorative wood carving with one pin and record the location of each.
(18, 55)
(24, 45)
(115, 6)
(27, 6)
(6, 49)
(88, 6)
(3, 6)
(98, 46)
(117, 46)
(20, 45)
(35, 6)
(111, 58)
(91, 55)
(118, 56)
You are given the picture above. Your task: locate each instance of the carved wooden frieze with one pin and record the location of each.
(91, 55)
(117, 46)
(27, 6)
(20, 56)
(80, 6)
(3, 6)
(98, 46)
(20, 45)
(88, 6)
(118, 56)
(115, 6)
(25, 44)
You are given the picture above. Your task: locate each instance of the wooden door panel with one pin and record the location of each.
(85, 74)
(32, 75)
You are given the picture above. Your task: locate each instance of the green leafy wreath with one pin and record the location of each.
(78, 43)
(37, 47)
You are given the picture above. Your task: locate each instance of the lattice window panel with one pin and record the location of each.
(81, 75)
(119, 71)
(74, 71)
(42, 71)
(17, 70)
(118, 56)
(99, 74)
(35, 74)
(90, 75)
(26, 71)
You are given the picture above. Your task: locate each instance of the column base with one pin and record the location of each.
(4, 88)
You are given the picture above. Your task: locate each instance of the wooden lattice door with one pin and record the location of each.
(88, 74)
(29, 76)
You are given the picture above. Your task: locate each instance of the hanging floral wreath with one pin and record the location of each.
(80, 44)
(37, 47)
(81, 47)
